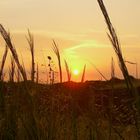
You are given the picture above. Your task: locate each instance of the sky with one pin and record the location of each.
(79, 29)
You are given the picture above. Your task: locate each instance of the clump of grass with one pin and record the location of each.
(56, 51)
(7, 39)
(68, 71)
(116, 45)
(27, 117)
(3, 62)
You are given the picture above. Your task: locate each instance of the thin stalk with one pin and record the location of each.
(83, 75)
(99, 71)
(30, 40)
(68, 71)
(3, 62)
(56, 51)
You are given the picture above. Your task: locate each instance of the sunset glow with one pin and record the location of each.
(79, 30)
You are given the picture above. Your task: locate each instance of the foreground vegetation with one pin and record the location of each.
(67, 111)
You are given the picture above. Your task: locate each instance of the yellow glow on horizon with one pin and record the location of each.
(76, 72)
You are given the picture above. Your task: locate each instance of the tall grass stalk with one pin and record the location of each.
(68, 71)
(30, 40)
(83, 74)
(116, 45)
(56, 51)
(3, 62)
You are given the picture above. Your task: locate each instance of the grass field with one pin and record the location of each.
(74, 111)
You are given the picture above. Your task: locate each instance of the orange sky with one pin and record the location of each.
(79, 30)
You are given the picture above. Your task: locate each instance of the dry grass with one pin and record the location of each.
(116, 45)
(7, 39)
(56, 51)
(83, 74)
(68, 71)
(26, 117)
(30, 40)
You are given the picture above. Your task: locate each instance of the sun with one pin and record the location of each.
(76, 72)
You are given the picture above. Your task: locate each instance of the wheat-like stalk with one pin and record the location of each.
(68, 71)
(56, 51)
(30, 40)
(116, 45)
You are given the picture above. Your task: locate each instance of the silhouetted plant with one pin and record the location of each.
(30, 40)
(99, 72)
(116, 45)
(27, 118)
(83, 74)
(56, 51)
(68, 71)
(7, 39)
(51, 71)
(133, 63)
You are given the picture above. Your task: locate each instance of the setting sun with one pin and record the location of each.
(75, 72)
